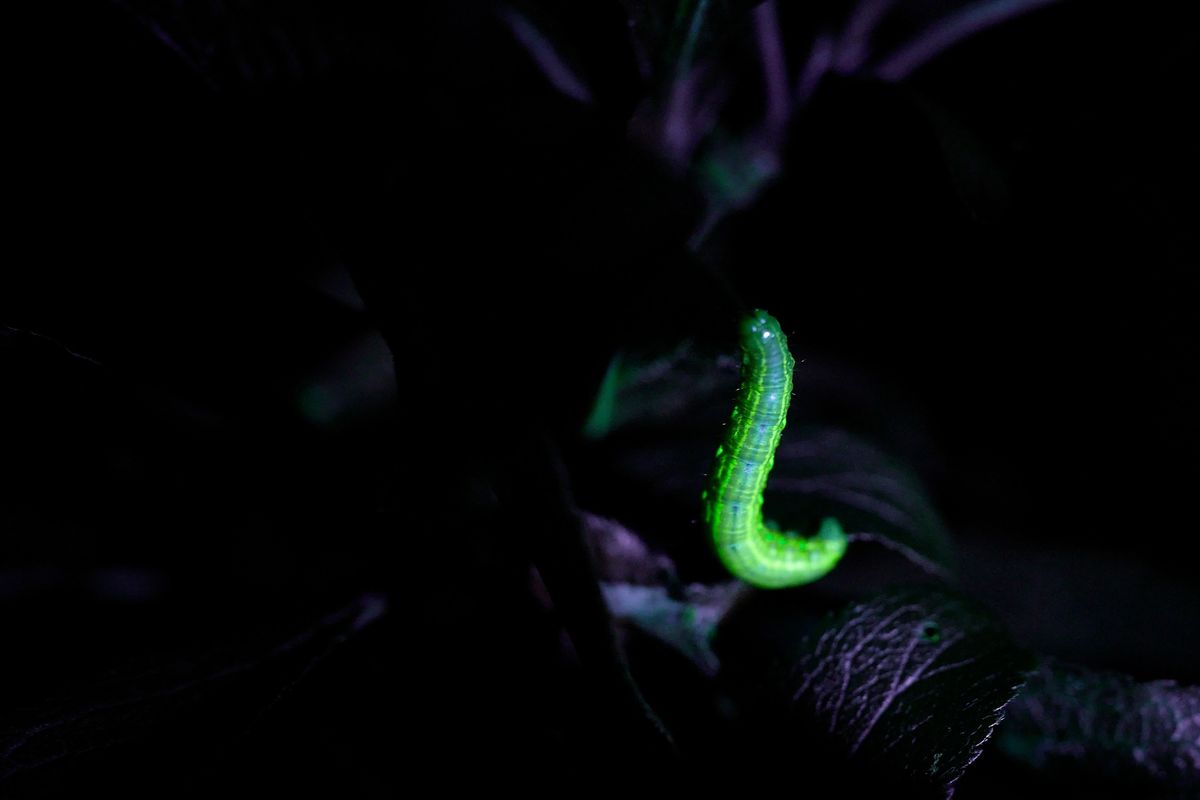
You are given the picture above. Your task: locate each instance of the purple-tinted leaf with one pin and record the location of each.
(641, 587)
(909, 685)
(1107, 731)
(558, 72)
(623, 558)
(951, 23)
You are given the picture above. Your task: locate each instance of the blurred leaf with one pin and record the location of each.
(582, 48)
(926, 30)
(1107, 732)
(910, 685)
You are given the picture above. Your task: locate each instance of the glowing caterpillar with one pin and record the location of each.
(752, 549)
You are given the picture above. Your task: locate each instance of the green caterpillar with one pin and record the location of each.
(753, 549)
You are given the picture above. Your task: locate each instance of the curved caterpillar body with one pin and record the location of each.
(752, 549)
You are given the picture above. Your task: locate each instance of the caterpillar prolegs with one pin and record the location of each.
(753, 549)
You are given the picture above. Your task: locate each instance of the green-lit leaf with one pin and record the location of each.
(648, 389)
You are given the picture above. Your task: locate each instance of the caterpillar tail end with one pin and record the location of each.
(781, 561)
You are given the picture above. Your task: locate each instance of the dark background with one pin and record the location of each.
(202, 452)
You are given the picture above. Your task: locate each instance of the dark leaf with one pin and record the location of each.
(909, 686)
(1107, 731)
(674, 35)
(646, 389)
(231, 43)
(666, 417)
(185, 705)
(874, 497)
(978, 178)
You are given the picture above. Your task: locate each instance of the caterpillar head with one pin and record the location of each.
(760, 325)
